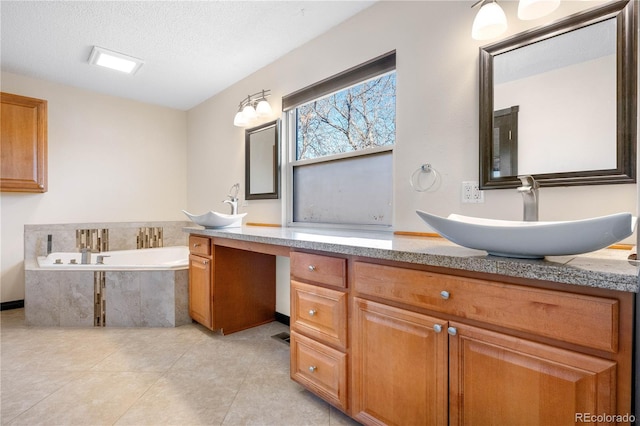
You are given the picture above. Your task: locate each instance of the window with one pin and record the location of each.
(354, 119)
(341, 133)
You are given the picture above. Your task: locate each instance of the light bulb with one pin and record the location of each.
(534, 9)
(263, 109)
(489, 22)
(239, 120)
(249, 113)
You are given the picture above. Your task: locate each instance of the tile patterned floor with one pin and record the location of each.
(150, 376)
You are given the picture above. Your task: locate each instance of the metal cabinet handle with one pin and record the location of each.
(313, 368)
(205, 262)
(312, 268)
(437, 328)
(312, 312)
(444, 294)
(452, 331)
(196, 245)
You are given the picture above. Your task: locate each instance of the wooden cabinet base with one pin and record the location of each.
(399, 366)
(200, 300)
(230, 289)
(504, 380)
(319, 368)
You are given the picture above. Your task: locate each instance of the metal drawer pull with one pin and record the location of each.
(312, 268)
(312, 312)
(205, 262)
(452, 331)
(444, 294)
(437, 328)
(313, 368)
(196, 245)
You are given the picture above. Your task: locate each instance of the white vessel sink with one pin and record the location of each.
(533, 240)
(216, 220)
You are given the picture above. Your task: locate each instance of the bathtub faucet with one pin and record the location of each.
(233, 198)
(529, 191)
(85, 259)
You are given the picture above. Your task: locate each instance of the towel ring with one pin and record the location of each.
(414, 181)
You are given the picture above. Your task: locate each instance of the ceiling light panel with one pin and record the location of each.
(114, 60)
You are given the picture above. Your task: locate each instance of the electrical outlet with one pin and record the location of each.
(471, 192)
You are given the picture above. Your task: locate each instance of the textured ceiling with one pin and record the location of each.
(192, 49)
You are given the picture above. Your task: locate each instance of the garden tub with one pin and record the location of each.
(130, 288)
(151, 259)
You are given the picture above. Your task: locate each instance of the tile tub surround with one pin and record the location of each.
(122, 236)
(66, 299)
(133, 299)
(59, 298)
(147, 298)
(608, 268)
(150, 376)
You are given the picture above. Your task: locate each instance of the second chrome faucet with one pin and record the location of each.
(529, 191)
(233, 198)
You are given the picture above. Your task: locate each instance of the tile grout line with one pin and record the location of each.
(163, 375)
(235, 396)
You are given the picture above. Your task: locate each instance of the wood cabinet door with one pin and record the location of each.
(400, 367)
(23, 143)
(200, 296)
(496, 379)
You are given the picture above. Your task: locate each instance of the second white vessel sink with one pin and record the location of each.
(532, 239)
(216, 220)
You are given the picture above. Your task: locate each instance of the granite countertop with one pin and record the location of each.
(609, 268)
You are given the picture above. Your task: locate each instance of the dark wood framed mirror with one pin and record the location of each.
(573, 85)
(262, 171)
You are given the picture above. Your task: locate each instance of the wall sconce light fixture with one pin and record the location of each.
(253, 107)
(491, 21)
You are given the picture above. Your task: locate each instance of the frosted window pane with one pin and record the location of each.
(349, 191)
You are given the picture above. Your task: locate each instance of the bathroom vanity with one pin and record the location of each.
(416, 330)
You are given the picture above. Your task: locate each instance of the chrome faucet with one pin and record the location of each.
(529, 191)
(85, 259)
(233, 199)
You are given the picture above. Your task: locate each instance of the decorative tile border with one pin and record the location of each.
(99, 299)
(97, 240)
(111, 236)
(150, 237)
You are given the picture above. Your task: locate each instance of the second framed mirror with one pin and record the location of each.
(262, 171)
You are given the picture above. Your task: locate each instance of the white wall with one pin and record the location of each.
(437, 114)
(110, 159)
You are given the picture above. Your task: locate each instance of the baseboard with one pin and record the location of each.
(284, 319)
(17, 304)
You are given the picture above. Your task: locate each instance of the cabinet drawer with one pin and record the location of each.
(320, 369)
(584, 320)
(321, 269)
(199, 245)
(320, 313)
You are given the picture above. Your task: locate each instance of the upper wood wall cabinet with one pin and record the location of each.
(23, 144)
